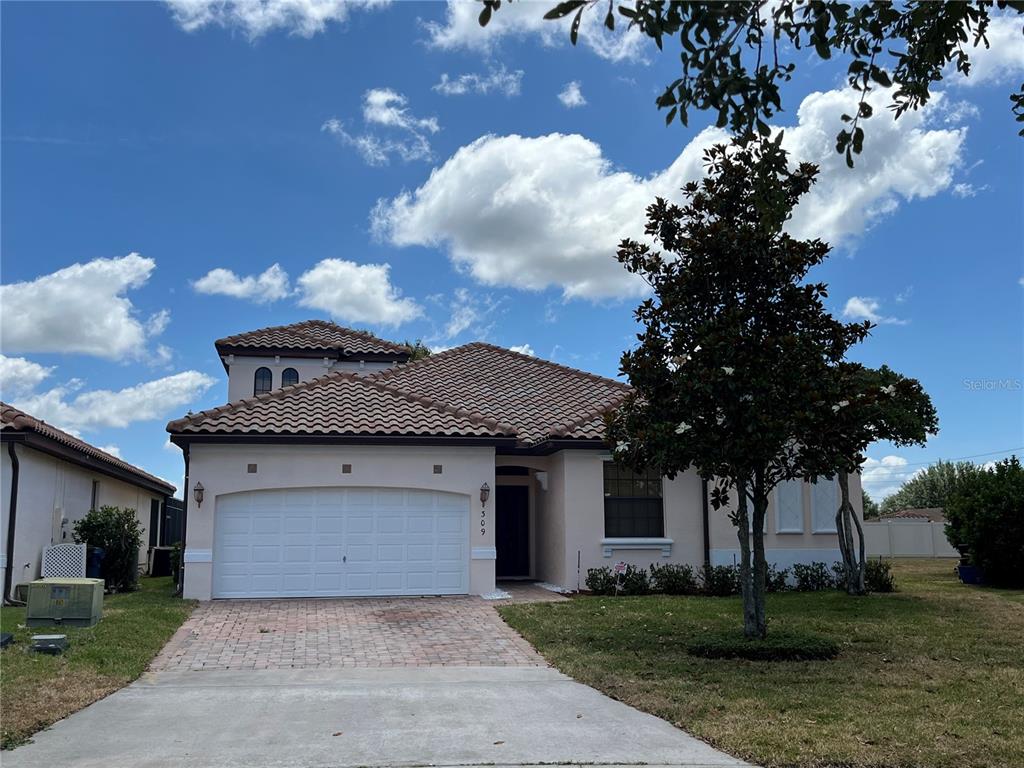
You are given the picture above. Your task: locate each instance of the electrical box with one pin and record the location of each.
(71, 602)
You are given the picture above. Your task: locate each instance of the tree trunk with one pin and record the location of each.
(846, 519)
(746, 582)
(760, 565)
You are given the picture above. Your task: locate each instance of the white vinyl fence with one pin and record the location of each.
(907, 538)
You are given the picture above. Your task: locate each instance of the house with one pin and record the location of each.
(342, 468)
(49, 479)
(924, 514)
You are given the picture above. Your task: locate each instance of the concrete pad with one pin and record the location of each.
(403, 716)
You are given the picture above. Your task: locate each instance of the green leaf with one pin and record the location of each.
(574, 31)
(671, 114)
(485, 16)
(564, 9)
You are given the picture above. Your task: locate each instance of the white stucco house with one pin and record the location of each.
(49, 479)
(341, 468)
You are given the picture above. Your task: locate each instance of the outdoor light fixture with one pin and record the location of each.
(485, 493)
(197, 493)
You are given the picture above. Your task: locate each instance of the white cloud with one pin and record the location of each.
(523, 349)
(964, 190)
(866, 308)
(19, 376)
(407, 136)
(525, 19)
(67, 408)
(258, 17)
(469, 310)
(571, 96)
(498, 80)
(883, 477)
(531, 213)
(80, 309)
(270, 285)
(113, 450)
(1002, 61)
(360, 293)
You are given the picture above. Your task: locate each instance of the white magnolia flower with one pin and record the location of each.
(842, 404)
(683, 427)
(622, 447)
(889, 390)
(721, 419)
(728, 370)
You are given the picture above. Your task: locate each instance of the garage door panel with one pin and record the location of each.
(326, 542)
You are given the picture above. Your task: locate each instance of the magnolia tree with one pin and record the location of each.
(737, 352)
(864, 405)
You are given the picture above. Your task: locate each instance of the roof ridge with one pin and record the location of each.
(301, 328)
(385, 373)
(438, 404)
(550, 364)
(561, 430)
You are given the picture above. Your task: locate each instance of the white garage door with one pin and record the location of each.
(340, 542)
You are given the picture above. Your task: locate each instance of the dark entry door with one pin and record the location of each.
(512, 532)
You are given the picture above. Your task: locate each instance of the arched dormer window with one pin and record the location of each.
(263, 381)
(289, 376)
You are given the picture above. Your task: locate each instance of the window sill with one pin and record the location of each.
(610, 545)
(792, 532)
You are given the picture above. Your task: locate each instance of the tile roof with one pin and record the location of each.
(476, 390)
(541, 399)
(15, 420)
(933, 514)
(341, 404)
(312, 335)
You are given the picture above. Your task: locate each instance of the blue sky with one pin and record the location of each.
(413, 175)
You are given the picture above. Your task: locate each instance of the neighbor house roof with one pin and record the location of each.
(15, 423)
(310, 338)
(477, 390)
(934, 514)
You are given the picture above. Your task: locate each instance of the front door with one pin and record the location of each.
(512, 532)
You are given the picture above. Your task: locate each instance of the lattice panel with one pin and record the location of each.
(64, 561)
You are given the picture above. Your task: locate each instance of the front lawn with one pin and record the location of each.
(36, 690)
(932, 675)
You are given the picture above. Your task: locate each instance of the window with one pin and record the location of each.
(289, 376)
(263, 381)
(824, 504)
(95, 495)
(632, 503)
(789, 507)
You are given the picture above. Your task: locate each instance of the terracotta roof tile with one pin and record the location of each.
(15, 420)
(312, 335)
(341, 404)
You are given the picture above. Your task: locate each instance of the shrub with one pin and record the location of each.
(720, 580)
(601, 581)
(673, 579)
(635, 581)
(175, 559)
(778, 646)
(776, 580)
(986, 520)
(813, 577)
(878, 576)
(117, 531)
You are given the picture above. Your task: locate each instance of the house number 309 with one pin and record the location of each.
(483, 522)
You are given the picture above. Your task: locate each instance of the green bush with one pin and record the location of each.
(673, 580)
(635, 581)
(985, 517)
(118, 532)
(720, 580)
(175, 563)
(776, 580)
(813, 577)
(778, 646)
(878, 576)
(601, 581)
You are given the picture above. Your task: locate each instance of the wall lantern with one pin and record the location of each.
(197, 493)
(485, 493)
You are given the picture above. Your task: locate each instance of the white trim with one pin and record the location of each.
(193, 555)
(610, 545)
(3, 561)
(484, 553)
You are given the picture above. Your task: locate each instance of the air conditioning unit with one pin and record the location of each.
(71, 602)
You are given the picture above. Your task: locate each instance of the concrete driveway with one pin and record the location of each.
(338, 711)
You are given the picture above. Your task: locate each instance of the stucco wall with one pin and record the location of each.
(50, 489)
(241, 373)
(223, 469)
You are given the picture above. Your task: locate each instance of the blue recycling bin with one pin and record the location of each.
(94, 562)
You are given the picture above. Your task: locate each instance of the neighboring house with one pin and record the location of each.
(50, 479)
(440, 476)
(929, 514)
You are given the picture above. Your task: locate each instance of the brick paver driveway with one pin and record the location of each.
(354, 632)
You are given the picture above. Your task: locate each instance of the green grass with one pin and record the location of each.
(36, 690)
(931, 676)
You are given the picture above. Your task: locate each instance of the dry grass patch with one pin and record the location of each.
(37, 690)
(930, 676)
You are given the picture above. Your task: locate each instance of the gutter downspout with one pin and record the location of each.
(184, 527)
(704, 516)
(12, 517)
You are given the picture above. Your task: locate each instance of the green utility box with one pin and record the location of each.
(70, 602)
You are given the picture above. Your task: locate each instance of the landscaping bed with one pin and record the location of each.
(36, 690)
(931, 675)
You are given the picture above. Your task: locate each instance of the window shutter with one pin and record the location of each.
(789, 507)
(824, 504)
